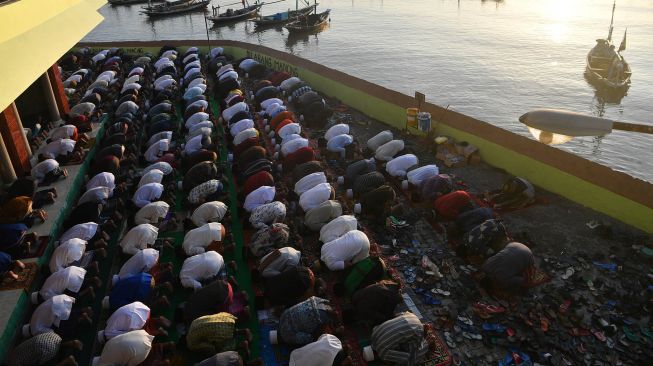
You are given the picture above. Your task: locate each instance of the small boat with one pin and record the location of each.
(232, 15)
(129, 2)
(170, 7)
(606, 67)
(283, 17)
(309, 23)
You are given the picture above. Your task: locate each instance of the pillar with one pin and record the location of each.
(14, 141)
(57, 88)
(7, 173)
(19, 122)
(53, 110)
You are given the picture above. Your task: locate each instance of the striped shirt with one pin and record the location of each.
(368, 182)
(358, 168)
(400, 340)
(298, 323)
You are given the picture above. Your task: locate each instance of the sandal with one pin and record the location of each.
(564, 307)
(490, 309)
(630, 334)
(599, 335)
(493, 327)
(465, 320)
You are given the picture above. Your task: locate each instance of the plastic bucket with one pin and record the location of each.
(411, 117)
(424, 120)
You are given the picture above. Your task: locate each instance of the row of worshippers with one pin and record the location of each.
(288, 284)
(64, 301)
(506, 267)
(22, 202)
(209, 314)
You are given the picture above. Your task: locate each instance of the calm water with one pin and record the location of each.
(493, 60)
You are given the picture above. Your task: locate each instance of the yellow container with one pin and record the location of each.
(411, 117)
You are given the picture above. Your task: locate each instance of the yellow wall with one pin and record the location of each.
(34, 34)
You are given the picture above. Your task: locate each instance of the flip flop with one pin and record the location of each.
(631, 335)
(430, 300)
(449, 340)
(465, 320)
(646, 332)
(440, 292)
(590, 285)
(544, 324)
(579, 332)
(493, 327)
(599, 335)
(564, 307)
(473, 336)
(568, 273)
(490, 309)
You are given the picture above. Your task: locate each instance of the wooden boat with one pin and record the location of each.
(309, 23)
(170, 7)
(283, 17)
(606, 67)
(129, 2)
(232, 15)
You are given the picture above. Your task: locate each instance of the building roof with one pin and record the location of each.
(34, 34)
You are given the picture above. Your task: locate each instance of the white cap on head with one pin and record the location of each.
(100, 336)
(273, 337)
(34, 297)
(96, 361)
(105, 303)
(341, 180)
(350, 193)
(368, 353)
(25, 331)
(358, 208)
(404, 185)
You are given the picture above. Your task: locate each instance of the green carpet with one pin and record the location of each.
(243, 275)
